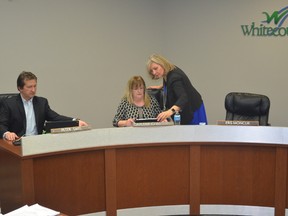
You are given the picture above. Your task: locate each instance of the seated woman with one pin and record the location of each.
(135, 104)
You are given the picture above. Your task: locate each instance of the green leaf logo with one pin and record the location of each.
(278, 16)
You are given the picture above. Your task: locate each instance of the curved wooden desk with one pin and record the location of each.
(118, 168)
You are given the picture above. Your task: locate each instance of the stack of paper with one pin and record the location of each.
(34, 210)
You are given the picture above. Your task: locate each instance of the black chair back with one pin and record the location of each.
(5, 96)
(247, 107)
(158, 94)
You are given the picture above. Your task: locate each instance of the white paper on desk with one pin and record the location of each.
(17, 211)
(34, 210)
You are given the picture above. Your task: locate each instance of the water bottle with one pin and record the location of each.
(177, 118)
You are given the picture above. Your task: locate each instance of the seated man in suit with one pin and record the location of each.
(26, 113)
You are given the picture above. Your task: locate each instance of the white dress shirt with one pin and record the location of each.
(31, 128)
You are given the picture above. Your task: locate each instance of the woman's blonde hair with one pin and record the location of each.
(160, 60)
(135, 82)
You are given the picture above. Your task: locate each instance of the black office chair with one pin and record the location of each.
(5, 96)
(158, 94)
(247, 107)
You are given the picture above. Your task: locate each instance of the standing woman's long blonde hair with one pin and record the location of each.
(160, 60)
(135, 82)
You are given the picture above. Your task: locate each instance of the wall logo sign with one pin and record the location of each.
(273, 24)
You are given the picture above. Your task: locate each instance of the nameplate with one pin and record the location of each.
(148, 124)
(70, 129)
(238, 123)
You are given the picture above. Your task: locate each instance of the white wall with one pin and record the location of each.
(84, 51)
(205, 39)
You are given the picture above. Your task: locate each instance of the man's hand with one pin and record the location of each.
(10, 136)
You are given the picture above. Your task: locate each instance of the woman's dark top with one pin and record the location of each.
(181, 93)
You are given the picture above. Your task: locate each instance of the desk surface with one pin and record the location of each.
(117, 137)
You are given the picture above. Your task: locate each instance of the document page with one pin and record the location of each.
(33, 210)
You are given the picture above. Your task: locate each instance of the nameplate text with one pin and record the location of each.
(238, 123)
(70, 129)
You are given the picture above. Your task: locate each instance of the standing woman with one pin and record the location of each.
(135, 104)
(179, 94)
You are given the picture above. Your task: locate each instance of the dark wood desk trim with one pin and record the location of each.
(281, 181)
(28, 181)
(10, 148)
(195, 167)
(110, 180)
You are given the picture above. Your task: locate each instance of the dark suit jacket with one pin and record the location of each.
(181, 92)
(13, 118)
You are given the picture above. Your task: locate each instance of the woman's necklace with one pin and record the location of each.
(139, 105)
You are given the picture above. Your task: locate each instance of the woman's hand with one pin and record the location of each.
(129, 122)
(126, 123)
(168, 113)
(82, 123)
(163, 116)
